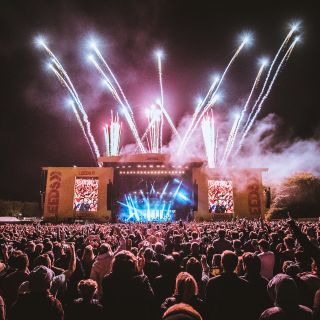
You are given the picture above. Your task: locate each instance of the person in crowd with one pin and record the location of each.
(186, 291)
(227, 295)
(38, 303)
(267, 259)
(86, 306)
(252, 268)
(102, 265)
(181, 311)
(126, 291)
(194, 247)
(87, 260)
(151, 267)
(2, 309)
(194, 268)
(284, 292)
(13, 280)
(221, 244)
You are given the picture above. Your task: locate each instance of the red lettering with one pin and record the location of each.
(53, 194)
(254, 203)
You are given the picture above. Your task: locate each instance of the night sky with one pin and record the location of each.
(198, 37)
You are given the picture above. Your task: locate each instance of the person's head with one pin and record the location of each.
(253, 235)
(286, 293)
(216, 260)
(148, 254)
(18, 260)
(105, 248)
(251, 263)
(40, 279)
(237, 245)
(22, 262)
(88, 254)
(57, 250)
(47, 246)
(186, 286)
(169, 267)
(289, 242)
(194, 267)
(303, 260)
(291, 269)
(31, 246)
(42, 260)
(177, 239)
(181, 311)
(235, 235)
(229, 261)
(274, 237)
(221, 233)
(263, 245)
(124, 263)
(195, 248)
(158, 248)
(87, 288)
(194, 235)
(38, 249)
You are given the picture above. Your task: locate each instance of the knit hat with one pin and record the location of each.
(40, 278)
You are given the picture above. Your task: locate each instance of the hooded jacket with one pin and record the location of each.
(100, 268)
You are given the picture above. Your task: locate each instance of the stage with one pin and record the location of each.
(150, 188)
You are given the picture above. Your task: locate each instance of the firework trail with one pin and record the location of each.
(107, 140)
(155, 121)
(216, 147)
(208, 134)
(256, 82)
(230, 138)
(66, 85)
(284, 43)
(284, 59)
(82, 127)
(164, 111)
(161, 132)
(75, 94)
(112, 135)
(212, 99)
(98, 53)
(199, 106)
(125, 109)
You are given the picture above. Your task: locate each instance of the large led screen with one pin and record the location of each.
(220, 196)
(86, 194)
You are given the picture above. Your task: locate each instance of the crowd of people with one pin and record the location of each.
(220, 194)
(86, 194)
(240, 269)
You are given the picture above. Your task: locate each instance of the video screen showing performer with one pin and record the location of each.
(220, 196)
(86, 194)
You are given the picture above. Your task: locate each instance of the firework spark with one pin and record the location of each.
(117, 97)
(208, 134)
(213, 98)
(283, 45)
(159, 55)
(284, 59)
(263, 63)
(112, 135)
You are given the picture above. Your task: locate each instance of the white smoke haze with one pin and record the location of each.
(260, 150)
(282, 158)
(194, 148)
